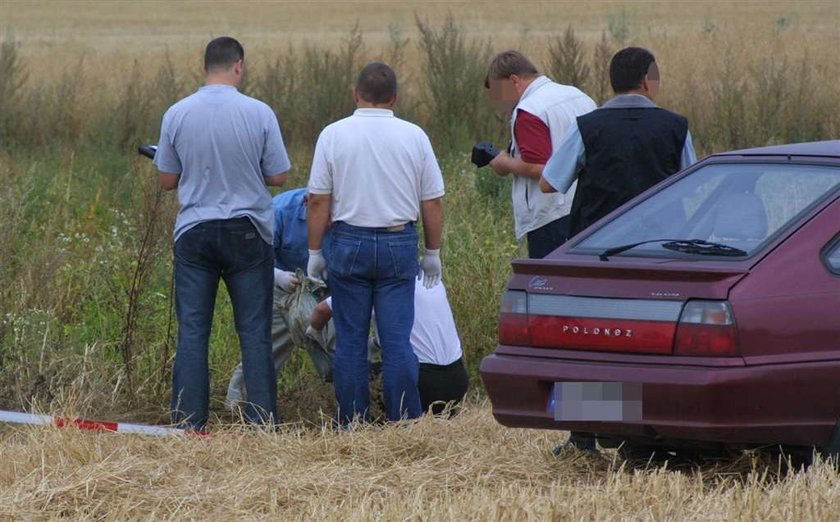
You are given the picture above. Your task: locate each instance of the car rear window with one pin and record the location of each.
(742, 206)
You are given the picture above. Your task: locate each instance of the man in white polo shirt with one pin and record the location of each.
(443, 379)
(372, 174)
(219, 149)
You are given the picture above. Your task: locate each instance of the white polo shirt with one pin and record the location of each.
(434, 338)
(377, 167)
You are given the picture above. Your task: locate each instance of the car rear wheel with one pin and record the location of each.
(658, 454)
(641, 453)
(793, 458)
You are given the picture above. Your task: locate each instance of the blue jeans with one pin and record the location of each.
(374, 269)
(232, 250)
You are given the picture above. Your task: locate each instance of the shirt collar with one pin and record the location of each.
(378, 113)
(217, 87)
(629, 101)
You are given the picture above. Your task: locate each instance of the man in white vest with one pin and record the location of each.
(541, 112)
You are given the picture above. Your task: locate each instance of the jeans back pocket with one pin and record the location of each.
(403, 254)
(344, 256)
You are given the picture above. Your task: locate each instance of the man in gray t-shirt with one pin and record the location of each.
(219, 149)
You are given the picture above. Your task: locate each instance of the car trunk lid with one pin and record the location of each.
(622, 305)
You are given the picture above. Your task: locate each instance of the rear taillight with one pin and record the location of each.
(513, 319)
(707, 329)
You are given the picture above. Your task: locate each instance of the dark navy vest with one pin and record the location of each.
(628, 150)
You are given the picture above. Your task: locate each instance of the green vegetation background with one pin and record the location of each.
(85, 246)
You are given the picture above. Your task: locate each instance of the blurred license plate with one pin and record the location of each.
(596, 401)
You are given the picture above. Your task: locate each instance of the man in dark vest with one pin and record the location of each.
(616, 152)
(621, 149)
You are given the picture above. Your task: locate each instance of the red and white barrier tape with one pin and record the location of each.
(14, 417)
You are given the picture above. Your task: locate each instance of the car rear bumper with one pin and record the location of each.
(755, 405)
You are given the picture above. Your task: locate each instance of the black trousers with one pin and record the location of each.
(447, 383)
(545, 239)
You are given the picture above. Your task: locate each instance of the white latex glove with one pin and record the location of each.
(316, 268)
(431, 268)
(319, 336)
(288, 281)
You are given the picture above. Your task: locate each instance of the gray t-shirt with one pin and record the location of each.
(222, 143)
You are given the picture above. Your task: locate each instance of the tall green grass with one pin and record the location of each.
(85, 247)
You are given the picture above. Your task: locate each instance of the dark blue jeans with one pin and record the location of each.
(232, 250)
(374, 269)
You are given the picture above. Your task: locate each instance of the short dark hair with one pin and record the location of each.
(507, 63)
(377, 83)
(222, 53)
(628, 68)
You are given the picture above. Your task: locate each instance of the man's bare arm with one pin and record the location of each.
(505, 164)
(321, 315)
(276, 180)
(168, 181)
(432, 211)
(318, 218)
(546, 187)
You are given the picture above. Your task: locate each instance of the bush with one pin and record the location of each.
(567, 61)
(11, 84)
(454, 71)
(85, 265)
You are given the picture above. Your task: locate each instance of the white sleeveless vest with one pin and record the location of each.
(558, 106)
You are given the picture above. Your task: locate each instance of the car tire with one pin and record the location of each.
(792, 458)
(642, 453)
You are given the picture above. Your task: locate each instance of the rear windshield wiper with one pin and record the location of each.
(689, 246)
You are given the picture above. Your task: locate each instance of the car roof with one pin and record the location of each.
(814, 148)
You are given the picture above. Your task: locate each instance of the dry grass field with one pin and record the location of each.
(467, 468)
(86, 238)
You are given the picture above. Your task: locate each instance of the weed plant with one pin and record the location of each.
(85, 250)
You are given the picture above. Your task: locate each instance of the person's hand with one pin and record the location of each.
(483, 153)
(316, 268)
(431, 268)
(500, 164)
(319, 336)
(287, 281)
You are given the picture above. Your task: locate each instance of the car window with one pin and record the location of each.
(832, 258)
(738, 205)
(786, 195)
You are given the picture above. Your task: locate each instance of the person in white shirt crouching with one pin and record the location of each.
(443, 378)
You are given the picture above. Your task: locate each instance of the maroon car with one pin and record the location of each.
(704, 312)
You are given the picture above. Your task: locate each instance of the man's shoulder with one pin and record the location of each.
(562, 93)
(672, 114)
(406, 128)
(410, 126)
(183, 104)
(394, 125)
(338, 126)
(654, 114)
(253, 103)
(555, 96)
(666, 117)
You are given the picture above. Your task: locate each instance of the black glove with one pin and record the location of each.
(147, 150)
(483, 153)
